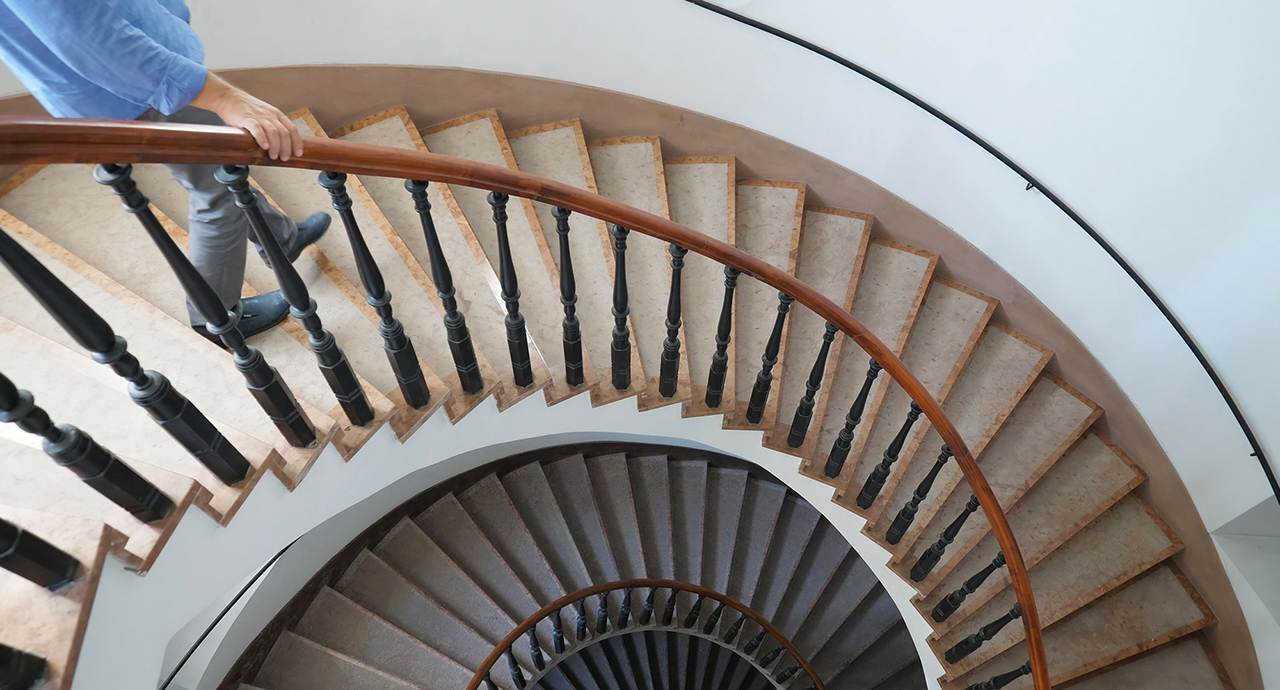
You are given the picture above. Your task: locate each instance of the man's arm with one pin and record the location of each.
(102, 46)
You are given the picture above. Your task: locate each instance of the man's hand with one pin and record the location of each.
(269, 127)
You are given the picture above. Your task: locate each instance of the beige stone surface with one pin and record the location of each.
(296, 663)
(1183, 665)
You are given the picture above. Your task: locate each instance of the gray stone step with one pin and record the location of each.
(826, 550)
(892, 653)
(531, 494)
(688, 482)
(909, 678)
(651, 491)
(852, 582)
(873, 618)
(725, 492)
(611, 487)
(761, 505)
(296, 663)
(797, 521)
(494, 512)
(571, 484)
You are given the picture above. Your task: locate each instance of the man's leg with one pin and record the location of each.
(217, 227)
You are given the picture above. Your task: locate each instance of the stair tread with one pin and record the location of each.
(893, 652)
(1002, 369)
(890, 291)
(797, 521)
(852, 583)
(726, 491)
(531, 493)
(826, 550)
(761, 505)
(951, 320)
(873, 618)
(480, 137)
(909, 678)
(688, 504)
(1042, 428)
(571, 483)
(702, 197)
(1184, 665)
(831, 237)
(492, 510)
(769, 219)
(295, 663)
(340, 624)
(611, 487)
(651, 491)
(605, 669)
(1158, 607)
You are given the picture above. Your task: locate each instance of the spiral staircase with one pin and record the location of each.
(424, 606)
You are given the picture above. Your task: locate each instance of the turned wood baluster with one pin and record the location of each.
(78, 452)
(771, 656)
(602, 614)
(34, 559)
(581, 631)
(970, 644)
(787, 673)
(714, 619)
(517, 676)
(875, 481)
(646, 613)
(20, 669)
(149, 389)
(573, 374)
(620, 359)
(764, 379)
(948, 606)
(754, 643)
(735, 629)
(333, 363)
(488, 682)
(535, 650)
(724, 330)
(557, 632)
(624, 613)
(397, 344)
(669, 611)
(930, 558)
(907, 515)
(262, 379)
(517, 337)
(804, 411)
(455, 324)
(692, 617)
(670, 368)
(844, 441)
(997, 682)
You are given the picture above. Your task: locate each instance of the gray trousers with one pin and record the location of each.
(217, 228)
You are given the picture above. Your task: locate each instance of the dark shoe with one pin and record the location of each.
(258, 313)
(309, 231)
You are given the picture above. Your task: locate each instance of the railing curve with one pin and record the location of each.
(26, 141)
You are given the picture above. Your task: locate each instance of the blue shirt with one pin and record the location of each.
(103, 58)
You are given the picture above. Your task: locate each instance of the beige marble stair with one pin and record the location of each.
(951, 322)
(480, 137)
(891, 289)
(833, 253)
(1188, 664)
(296, 663)
(630, 170)
(702, 194)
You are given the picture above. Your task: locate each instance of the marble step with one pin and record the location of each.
(1156, 608)
(891, 289)
(909, 678)
(874, 618)
(571, 484)
(480, 137)
(1001, 371)
(762, 504)
(630, 170)
(892, 654)
(848, 587)
(688, 516)
(296, 663)
(823, 555)
(488, 504)
(770, 216)
(702, 196)
(792, 536)
(203, 372)
(534, 500)
(951, 321)
(832, 256)
(344, 626)
(726, 493)
(650, 488)
(611, 487)
(1188, 664)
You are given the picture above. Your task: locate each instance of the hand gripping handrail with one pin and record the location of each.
(25, 141)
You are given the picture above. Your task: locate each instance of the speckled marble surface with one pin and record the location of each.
(1184, 665)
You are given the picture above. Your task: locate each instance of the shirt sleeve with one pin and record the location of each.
(96, 41)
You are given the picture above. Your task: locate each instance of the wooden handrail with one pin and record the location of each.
(514, 636)
(25, 141)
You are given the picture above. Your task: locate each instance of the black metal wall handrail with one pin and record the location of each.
(1033, 183)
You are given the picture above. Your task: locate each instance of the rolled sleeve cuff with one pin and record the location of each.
(182, 82)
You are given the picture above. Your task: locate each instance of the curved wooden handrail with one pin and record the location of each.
(593, 590)
(26, 141)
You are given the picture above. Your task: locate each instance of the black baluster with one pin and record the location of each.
(875, 481)
(692, 617)
(734, 629)
(804, 411)
(787, 673)
(581, 632)
(948, 606)
(930, 557)
(573, 374)
(970, 644)
(754, 643)
(724, 330)
(262, 380)
(78, 452)
(646, 613)
(908, 513)
(771, 656)
(517, 338)
(34, 559)
(764, 379)
(517, 676)
(997, 682)
(714, 619)
(333, 363)
(602, 614)
(557, 632)
(620, 354)
(624, 613)
(396, 343)
(669, 611)
(535, 650)
(840, 448)
(149, 389)
(19, 670)
(455, 324)
(670, 369)
(488, 683)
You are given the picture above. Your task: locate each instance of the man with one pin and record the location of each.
(140, 59)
